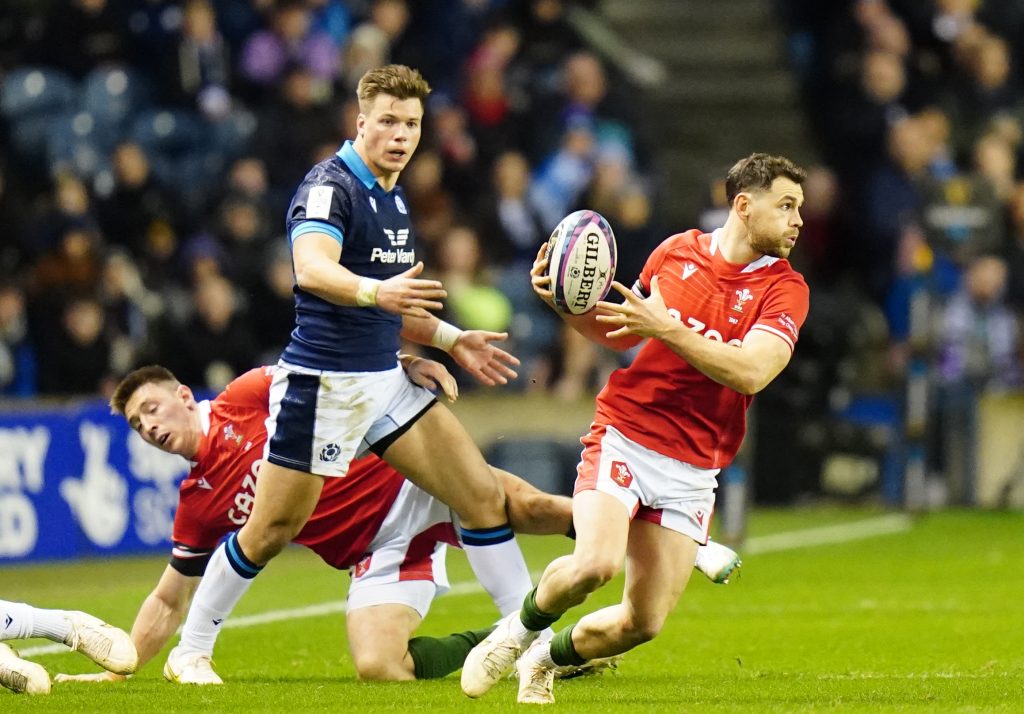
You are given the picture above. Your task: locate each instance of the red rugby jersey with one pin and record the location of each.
(216, 497)
(660, 400)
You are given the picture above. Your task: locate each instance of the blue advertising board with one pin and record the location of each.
(77, 482)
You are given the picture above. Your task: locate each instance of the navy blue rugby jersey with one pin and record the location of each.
(341, 197)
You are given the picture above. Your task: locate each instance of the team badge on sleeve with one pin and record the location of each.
(319, 203)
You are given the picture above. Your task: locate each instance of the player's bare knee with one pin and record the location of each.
(592, 573)
(376, 667)
(643, 629)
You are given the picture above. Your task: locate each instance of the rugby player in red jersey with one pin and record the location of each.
(390, 534)
(721, 313)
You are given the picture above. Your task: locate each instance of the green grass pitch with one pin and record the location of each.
(926, 619)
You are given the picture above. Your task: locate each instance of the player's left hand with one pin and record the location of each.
(636, 315)
(476, 353)
(433, 376)
(97, 677)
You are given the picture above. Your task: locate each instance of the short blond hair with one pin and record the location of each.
(394, 80)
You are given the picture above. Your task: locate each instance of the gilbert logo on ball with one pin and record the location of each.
(581, 261)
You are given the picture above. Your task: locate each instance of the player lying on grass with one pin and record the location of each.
(389, 532)
(104, 644)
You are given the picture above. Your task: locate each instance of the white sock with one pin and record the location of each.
(500, 568)
(19, 621)
(218, 593)
(541, 654)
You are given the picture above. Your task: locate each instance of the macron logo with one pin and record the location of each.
(688, 270)
(203, 483)
(7, 621)
(217, 621)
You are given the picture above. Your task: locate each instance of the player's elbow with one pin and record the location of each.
(307, 277)
(753, 379)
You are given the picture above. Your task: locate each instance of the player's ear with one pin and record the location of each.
(741, 204)
(185, 395)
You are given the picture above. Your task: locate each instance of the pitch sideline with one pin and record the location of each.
(777, 542)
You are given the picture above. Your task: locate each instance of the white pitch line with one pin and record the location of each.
(829, 535)
(788, 540)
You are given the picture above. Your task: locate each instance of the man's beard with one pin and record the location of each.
(766, 246)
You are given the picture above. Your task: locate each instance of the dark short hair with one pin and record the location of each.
(394, 80)
(153, 373)
(757, 172)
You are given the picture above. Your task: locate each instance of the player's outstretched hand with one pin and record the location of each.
(406, 294)
(636, 315)
(97, 677)
(476, 353)
(433, 376)
(539, 278)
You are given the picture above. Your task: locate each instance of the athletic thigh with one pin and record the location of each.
(438, 455)
(284, 500)
(658, 566)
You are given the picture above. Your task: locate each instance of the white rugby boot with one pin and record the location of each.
(190, 668)
(717, 561)
(21, 676)
(108, 646)
(494, 657)
(536, 682)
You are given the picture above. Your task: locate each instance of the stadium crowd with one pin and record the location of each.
(150, 150)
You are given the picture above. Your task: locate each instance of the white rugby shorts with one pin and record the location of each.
(652, 486)
(319, 420)
(406, 560)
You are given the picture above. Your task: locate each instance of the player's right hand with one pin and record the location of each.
(97, 677)
(539, 278)
(405, 294)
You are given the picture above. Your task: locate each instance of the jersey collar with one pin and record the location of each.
(204, 408)
(763, 262)
(356, 165)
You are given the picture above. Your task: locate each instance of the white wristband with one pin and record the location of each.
(366, 293)
(445, 336)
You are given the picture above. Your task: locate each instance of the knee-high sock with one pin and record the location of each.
(19, 621)
(227, 578)
(498, 564)
(435, 657)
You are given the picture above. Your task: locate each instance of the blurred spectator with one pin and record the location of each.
(71, 267)
(429, 201)
(274, 303)
(514, 229)
(291, 40)
(1015, 251)
(244, 234)
(83, 34)
(197, 69)
(292, 126)
(216, 345)
(561, 178)
(76, 359)
(17, 354)
(985, 88)
(979, 351)
(136, 201)
(131, 309)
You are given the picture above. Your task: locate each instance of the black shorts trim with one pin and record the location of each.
(381, 446)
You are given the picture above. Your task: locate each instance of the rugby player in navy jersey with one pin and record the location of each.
(339, 391)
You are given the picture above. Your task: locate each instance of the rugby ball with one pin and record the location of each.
(581, 261)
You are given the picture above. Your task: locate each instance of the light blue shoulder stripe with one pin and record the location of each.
(316, 227)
